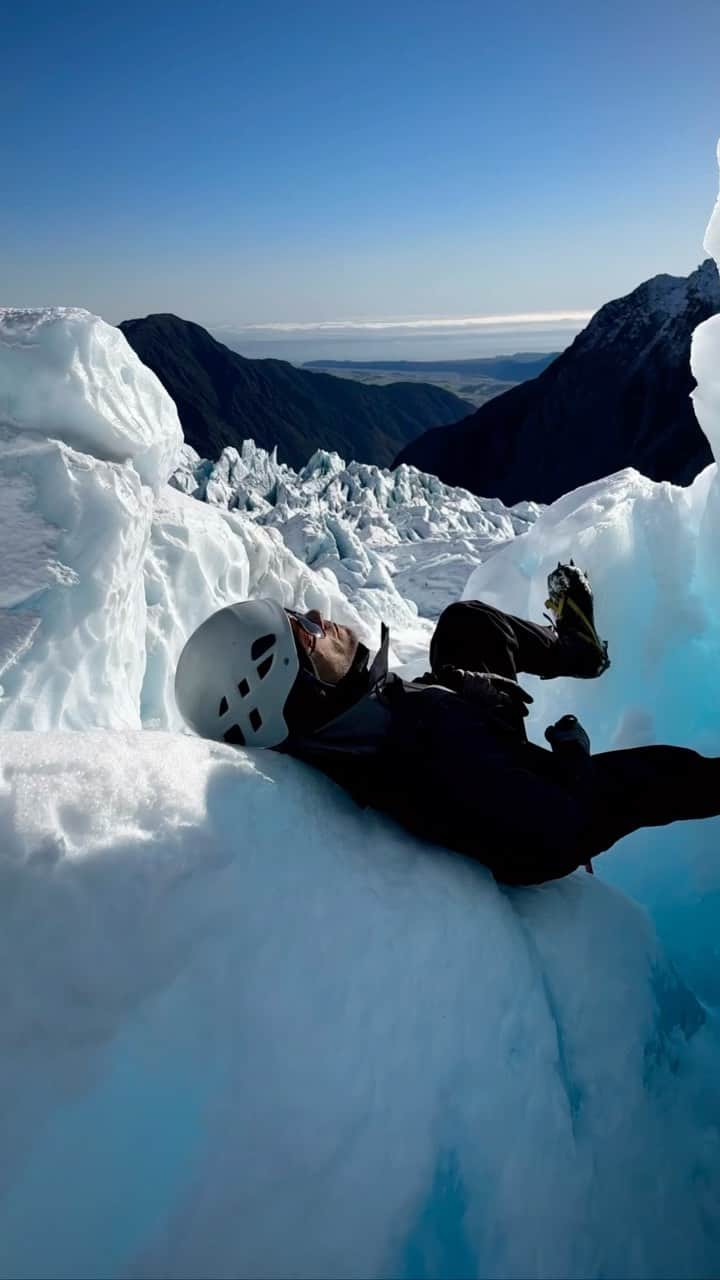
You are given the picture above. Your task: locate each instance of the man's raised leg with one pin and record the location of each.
(477, 637)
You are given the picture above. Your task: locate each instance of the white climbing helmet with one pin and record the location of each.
(235, 673)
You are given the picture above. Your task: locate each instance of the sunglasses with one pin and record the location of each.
(307, 624)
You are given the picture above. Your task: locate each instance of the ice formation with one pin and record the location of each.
(364, 523)
(70, 376)
(251, 1030)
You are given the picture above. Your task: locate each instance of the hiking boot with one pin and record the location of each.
(570, 601)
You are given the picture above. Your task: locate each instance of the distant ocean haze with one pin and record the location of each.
(413, 340)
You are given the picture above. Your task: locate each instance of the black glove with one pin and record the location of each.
(496, 694)
(571, 744)
(567, 736)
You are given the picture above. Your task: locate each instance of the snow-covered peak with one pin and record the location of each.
(704, 281)
(671, 294)
(662, 305)
(66, 374)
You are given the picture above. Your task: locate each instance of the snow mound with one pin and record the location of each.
(251, 1031)
(65, 373)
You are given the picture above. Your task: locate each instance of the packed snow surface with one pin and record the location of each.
(251, 1030)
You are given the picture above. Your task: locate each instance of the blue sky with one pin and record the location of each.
(250, 163)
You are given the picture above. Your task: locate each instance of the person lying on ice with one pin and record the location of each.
(446, 755)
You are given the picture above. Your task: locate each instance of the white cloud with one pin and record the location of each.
(414, 324)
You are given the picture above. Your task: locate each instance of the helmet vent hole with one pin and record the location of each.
(223, 708)
(255, 719)
(265, 666)
(243, 688)
(261, 646)
(235, 736)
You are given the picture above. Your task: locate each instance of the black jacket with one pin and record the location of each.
(449, 772)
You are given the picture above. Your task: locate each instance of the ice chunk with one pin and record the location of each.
(72, 625)
(67, 374)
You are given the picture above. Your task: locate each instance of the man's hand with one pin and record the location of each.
(496, 694)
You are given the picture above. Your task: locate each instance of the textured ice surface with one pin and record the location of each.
(368, 525)
(68, 374)
(250, 1030)
(72, 629)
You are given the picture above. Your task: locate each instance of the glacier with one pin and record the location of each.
(362, 521)
(251, 1030)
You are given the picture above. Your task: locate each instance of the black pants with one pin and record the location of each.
(628, 789)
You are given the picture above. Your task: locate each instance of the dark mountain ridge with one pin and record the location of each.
(619, 396)
(224, 398)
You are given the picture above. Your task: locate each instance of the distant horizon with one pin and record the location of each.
(422, 339)
(410, 322)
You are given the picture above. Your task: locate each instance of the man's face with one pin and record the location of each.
(332, 651)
